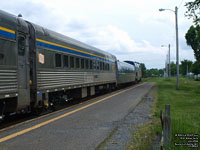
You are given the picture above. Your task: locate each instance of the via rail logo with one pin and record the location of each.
(113, 68)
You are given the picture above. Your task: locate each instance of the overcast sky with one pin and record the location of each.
(129, 29)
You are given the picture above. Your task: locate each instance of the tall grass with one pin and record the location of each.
(185, 107)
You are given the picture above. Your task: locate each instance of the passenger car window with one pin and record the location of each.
(7, 52)
(21, 45)
(71, 62)
(97, 65)
(106, 67)
(1, 55)
(101, 65)
(65, 61)
(86, 63)
(82, 63)
(91, 64)
(77, 63)
(58, 60)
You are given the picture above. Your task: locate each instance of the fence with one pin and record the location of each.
(166, 128)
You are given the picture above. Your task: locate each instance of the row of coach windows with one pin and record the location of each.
(104, 66)
(82, 63)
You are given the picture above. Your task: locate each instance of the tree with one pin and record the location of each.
(161, 72)
(154, 72)
(143, 69)
(193, 34)
(196, 68)
(193, 39)
(186, 65)
(173, 68)
(193, 11)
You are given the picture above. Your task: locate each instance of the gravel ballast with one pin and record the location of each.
(122, 135)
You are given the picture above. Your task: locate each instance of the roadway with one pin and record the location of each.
(83, 126)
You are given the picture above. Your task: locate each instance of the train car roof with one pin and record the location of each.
(10, 23)
(130, 62)
(133, 63)
(125, 64)
(8, 20)
(62, 39)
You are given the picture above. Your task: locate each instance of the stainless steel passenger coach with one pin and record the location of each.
(126, 73)
(137, 68)
(40, 68)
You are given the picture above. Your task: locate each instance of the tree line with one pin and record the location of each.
(186, 66)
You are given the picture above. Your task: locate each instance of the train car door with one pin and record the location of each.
(23, 71)
(33, 65)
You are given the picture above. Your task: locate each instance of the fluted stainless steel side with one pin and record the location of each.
(52, 79)
(8, 81)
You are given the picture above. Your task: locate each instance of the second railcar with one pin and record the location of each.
(138, 69)
(126, 73)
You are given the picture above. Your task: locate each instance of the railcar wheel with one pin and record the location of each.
(3, 107)
(37, 111)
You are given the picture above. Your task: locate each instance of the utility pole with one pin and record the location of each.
(169, 63)
(177, 47)
(177, 51)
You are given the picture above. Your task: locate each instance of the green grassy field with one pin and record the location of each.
(185, 106)
(185, 110)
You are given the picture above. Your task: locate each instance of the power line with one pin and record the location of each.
(180, 4)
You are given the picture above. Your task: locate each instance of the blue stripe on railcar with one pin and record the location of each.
(7, 34)
(42, 44)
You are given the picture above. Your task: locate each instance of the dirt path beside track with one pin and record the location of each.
(122, 134)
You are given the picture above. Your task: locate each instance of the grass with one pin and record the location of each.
(142, 137)
(185, 109)
(185, 106)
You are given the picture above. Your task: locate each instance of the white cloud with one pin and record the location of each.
(129, 29)
(119, 43)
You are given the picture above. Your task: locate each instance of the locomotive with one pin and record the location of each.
(40, 68)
